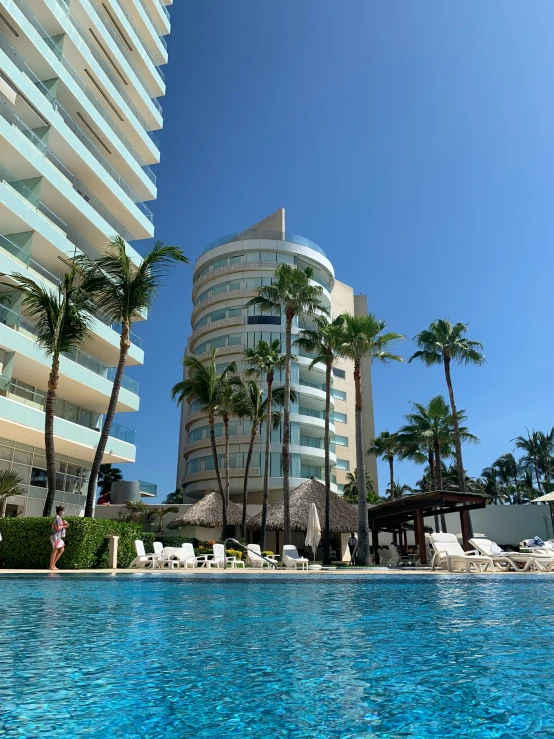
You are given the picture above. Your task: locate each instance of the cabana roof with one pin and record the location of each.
(343, 517)
(208, 513)
(391, 515)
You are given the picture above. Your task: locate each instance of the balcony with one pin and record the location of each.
(35, 398)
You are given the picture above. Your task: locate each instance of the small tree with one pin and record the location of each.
(107, 476)
(158, 515)
(10, 484)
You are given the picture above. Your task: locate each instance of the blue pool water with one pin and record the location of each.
(323, 657)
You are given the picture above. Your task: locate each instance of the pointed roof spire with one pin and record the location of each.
(274, 222)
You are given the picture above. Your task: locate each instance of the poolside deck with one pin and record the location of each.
(343, 572)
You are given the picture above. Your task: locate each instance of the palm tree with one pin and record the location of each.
(364, 337)
(444, 343)
(226, 408)
(292, 294)
(159, 513)
(107, 475)
(177, 496)
(434, 423)
(323, 342)
(397, 491)
(533, 446)
(203, 388)
(350, 491)
(11, 483)
(507, 472)
(62, 323)
(387, 447)
(265, 359)
(250, 404)
(495, 491)
(123, 292)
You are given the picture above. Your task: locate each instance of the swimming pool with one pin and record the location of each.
(315, 657)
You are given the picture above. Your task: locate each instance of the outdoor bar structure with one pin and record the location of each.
(413, 509)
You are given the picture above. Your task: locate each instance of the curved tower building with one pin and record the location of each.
(226, 276)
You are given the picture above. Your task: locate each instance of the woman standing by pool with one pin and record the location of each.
(58, 532)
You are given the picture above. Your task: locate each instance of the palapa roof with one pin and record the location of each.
(208, 513)
(343, 516)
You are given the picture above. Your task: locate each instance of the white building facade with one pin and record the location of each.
(79, 82)
(226, 276)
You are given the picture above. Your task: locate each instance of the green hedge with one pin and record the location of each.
(168, 540)
(26, 543)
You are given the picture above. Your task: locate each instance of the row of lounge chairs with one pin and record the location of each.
(486, 556)
(184, 556)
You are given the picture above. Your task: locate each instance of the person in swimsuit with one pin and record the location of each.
(58, 532)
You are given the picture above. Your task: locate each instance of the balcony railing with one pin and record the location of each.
(315, 385)
(14, 56)
(115, 36)
(76, 183)
(269, 235)
(311, 412)
(66, 410)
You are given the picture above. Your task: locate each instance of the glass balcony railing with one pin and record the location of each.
(8, 49)
(135, 339)
(76, 183)
(15, 250)
(115, 36)
(149, 488)
(4, 384)
(22, 189)
(9, 318)
(270, 235)
(126, 382)
(33, 397)
(311, 412)
(315, 385)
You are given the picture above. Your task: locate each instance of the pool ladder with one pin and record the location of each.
(246, 549)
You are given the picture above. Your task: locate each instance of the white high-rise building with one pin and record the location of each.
(226, 276)
(79, 82)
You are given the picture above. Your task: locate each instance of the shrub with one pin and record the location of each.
(267, 554)
(26, 543)
(234, 553)
(168, 540)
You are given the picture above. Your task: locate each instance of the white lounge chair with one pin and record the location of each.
(505, 560)
(220, 558)
(450, 555)
(291, 558)
(255, 558)
(196, 560)
(158, 547)
(543, 556)
(144, 560)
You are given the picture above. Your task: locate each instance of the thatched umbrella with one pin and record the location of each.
(208, 513)
(343, 517)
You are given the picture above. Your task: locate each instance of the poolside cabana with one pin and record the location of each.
(343, 516)
(204, 520)
(413, 509)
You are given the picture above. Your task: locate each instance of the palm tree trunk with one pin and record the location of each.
(438, 477)
(4, 504)
(391, 475)
(267, 459)
(287, 536)
(246, 473)
(327, 526)
(225, 532)
(432, 473)
(211, 423)
(363, 555)
(124, 345)
(457, 440)
(537, 475)
(53, 381)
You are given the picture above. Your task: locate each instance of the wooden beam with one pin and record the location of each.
(420, 538)
(464, 521)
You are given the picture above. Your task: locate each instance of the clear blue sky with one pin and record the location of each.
(414, 143)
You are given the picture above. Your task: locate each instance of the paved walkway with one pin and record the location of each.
(343, 571)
